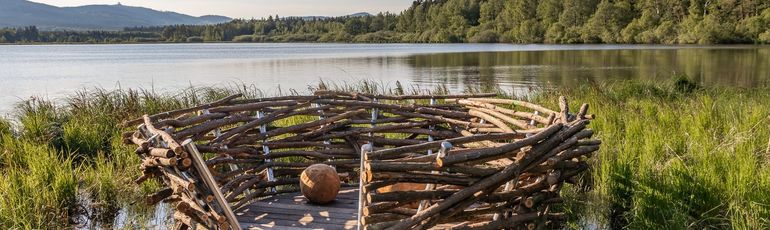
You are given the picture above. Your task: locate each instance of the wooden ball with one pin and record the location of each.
(320, 183)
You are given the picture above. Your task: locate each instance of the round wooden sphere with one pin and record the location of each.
(319, 183)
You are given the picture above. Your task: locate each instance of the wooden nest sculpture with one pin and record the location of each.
(478, 162)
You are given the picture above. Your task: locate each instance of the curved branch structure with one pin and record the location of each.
(473, 161)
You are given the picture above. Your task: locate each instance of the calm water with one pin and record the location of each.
(56, 70)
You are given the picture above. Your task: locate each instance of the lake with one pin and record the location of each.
(55, 70)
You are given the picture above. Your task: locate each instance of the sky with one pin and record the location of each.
(254, 8)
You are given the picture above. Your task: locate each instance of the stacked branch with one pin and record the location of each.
(490, 184)
(507, 162)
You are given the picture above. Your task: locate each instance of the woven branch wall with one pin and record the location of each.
(477, 162)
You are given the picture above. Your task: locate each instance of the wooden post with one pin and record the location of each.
(266, 149)
(430, 152)
(200, 166)
(445, 147)
(375, 114)
(321, 116)
(365, 149)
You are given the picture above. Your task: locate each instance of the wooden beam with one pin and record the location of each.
(200, 166)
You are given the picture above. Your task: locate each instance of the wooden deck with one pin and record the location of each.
(292, 211)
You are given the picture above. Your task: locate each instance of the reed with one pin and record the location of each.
(53, 156)
(38, 185)
(683, 156)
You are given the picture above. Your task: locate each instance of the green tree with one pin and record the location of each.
(703, 25)
(575, 13)
(213, 33)
(355, 26)
(520, 21)
(488, 12)
(548, 11)
(378, 23)
(606, 24)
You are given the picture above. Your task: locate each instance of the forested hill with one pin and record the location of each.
(517, 21)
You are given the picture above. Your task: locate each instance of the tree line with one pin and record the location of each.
(478, 21)
(31, 34)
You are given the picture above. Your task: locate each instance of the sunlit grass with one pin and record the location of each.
(676, 157)
(56, 152)
(38, 185)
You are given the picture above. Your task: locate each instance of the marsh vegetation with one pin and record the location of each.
(676, 155)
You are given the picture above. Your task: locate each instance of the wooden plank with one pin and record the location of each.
(297, 210)
(303, 200)
(305, 220)
(258, 226)
(347, 198)
(301, 207)
(201, 168)
(280, 224)
(268, 209)
(340, 202)
(335, 204)
(292, 211)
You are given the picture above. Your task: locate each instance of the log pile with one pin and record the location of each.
(486, 163)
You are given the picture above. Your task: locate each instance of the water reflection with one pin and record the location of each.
(55, 71)
(737, 67)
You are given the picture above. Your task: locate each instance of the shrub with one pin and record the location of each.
(195, 39)
(300, 38)
(487, 36)
(244, 38)
(379, 37)
(145, 40)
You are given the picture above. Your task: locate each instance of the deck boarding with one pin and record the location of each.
(292, 211)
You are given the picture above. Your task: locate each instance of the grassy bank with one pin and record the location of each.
(66, 165)
(675, 155)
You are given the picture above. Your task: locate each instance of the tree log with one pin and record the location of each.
(182, 111)
(496, 152)
(437, 144)
(154, 198)
(170, 141)
(252, 106)
(491, 119)
(162, 153)
(515, 102)
(397, 166)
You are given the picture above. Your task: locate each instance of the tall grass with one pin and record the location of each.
(674, 156)
(38, 185)
(677, 156)
(56, 155)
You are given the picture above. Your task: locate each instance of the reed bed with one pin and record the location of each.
(682, 155)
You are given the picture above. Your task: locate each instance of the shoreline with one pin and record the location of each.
(399, 43)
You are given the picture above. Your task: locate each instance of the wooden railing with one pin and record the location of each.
(480, 162)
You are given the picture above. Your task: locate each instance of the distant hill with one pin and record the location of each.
(360, 14)
(15, 13)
